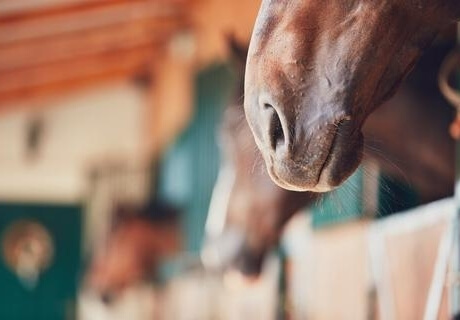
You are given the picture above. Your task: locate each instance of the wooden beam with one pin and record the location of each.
(93, 42)
(213, 19)
(48, 46)
(80, 21)
(54, 78)
(171, 99)
(14, 10)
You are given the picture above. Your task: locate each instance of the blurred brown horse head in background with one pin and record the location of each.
(139, 240)
(317, 69)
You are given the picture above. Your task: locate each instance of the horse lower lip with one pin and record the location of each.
(285, 183)
(280, 182)
(315, 177)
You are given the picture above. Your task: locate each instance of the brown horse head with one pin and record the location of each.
(317, 69)
(140, 239)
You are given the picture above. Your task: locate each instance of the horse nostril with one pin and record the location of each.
(275, 128)
(107, 297)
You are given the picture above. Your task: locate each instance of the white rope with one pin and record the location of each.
(218, 207)
(439, 275)
(381, 279)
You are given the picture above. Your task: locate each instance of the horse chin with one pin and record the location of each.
(249, 262)
(341, 162)
(335, 173)
(286, 182)
(294, 185)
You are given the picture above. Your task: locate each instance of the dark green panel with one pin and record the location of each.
(343, 204)
(395, 196)
(346, 203)
(189, 168)
(54, 295)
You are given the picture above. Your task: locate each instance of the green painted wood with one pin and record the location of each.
(341, 205)
(54, 296)
(189, 168)
(395, 196)
(346, 203)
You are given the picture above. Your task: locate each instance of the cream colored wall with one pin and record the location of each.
(83, 129)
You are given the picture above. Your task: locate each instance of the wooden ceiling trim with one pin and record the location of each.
(13, 10)
(49, 46)
(100, 41)
(39, 95)
(82, 21)
(49, 78)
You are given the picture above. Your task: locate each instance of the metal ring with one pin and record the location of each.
(451, 63)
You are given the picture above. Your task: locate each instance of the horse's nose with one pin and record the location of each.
(249, 262)
(108, 297)
(275, 127)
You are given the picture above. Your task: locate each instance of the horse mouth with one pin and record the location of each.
(337, 163)
(320, 184)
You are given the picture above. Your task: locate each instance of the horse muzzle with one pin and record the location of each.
(314, 156)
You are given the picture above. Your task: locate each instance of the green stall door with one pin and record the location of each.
(31, 235)
(341, 205)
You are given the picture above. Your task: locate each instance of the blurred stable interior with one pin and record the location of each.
(112, 103)
(92, 93)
